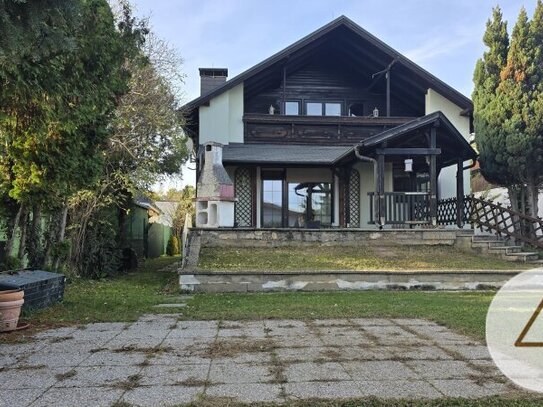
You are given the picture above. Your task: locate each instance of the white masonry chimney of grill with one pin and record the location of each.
(214, 191)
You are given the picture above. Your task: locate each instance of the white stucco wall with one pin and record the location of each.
(367, 184)
(447, 178)
(222, 120)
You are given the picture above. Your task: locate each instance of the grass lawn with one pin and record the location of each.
(127, 297)
(124, 298)
(350, 258)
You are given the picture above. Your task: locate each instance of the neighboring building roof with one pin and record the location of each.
(433, 82)
(262, 154)
(145, 202)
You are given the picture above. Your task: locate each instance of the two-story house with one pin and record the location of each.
(336, 130)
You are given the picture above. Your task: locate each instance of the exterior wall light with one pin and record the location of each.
(376, 112)
(408, 165)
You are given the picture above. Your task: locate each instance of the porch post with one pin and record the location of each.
(381, 213)
(460, 193)
(433, 178)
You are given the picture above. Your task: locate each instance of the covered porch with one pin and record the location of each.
(392, 179)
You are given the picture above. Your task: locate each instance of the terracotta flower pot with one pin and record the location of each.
(9, 314)
(11, 295)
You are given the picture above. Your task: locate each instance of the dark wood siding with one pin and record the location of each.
(328, 77)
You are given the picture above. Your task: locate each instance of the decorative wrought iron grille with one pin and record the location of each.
(353, 200)
(244, 183)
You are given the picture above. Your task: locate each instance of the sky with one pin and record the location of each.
(442, 36)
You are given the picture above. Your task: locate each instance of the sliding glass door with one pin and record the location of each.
(295, 204)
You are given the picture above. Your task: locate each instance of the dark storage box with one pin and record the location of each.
(42, 288)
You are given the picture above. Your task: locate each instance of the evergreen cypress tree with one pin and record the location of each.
(519, 99)
(489, 136)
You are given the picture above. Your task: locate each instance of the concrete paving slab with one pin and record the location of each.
(170, 305)
(108, 358)
(87, 396)
(379, 370)
(158, 375)
(10, 398)
(468, 388)
(310, 371)
(398, 389)
(96, 376)
(22, 349)
(363, 322)
(103, 327)
(366, 353)
(153, 396)
(255, 393)
(239, 373)
(31, 377)
(323, 390)
(56, 359)
(421, 352)
(470, 352)
(333, 358)
(178, 360)
(442, 369)
(56, 333)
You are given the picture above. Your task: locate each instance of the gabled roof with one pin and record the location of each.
(433, 82)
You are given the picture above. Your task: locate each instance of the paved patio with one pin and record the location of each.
(162, 361)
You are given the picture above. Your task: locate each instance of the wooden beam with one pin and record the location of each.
(433, 179)
(460, 193)
(408, 151)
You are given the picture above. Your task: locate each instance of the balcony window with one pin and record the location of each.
(323, 109)
(332, 109)
(313, 109)
(292, 108)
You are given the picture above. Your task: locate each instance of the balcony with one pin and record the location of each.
(337, 130)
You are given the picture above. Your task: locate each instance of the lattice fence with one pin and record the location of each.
(244, 181)
(354, 199)
(446, 211)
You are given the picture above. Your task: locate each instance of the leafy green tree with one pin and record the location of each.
(56, 105)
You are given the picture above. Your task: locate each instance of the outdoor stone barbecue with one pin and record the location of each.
(215, 191)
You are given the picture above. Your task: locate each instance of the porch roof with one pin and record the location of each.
(282, 154)
(414, 134)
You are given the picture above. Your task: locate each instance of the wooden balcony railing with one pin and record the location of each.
(403, 208)
(265, 128)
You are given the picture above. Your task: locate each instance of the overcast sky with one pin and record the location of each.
(443, 36)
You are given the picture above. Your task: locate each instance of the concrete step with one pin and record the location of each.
(505, 249)
(537, 263)
(486, 238)
(488, 244)
(522, 256)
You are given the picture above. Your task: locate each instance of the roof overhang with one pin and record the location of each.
(424, 76)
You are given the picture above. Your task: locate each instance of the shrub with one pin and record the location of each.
(10, 263)
(172, 247)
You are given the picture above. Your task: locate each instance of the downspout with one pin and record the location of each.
(375, 182)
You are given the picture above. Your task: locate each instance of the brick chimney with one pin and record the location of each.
(211, 78)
